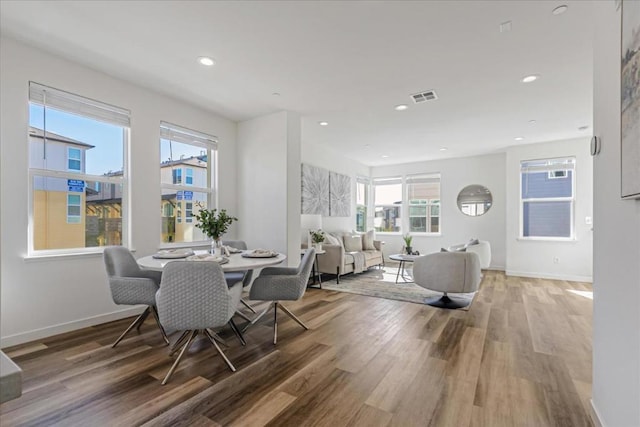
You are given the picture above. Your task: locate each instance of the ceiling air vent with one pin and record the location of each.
(428, 95)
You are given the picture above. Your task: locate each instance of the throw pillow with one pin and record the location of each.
(331, 239)
(367, 240)
(472, 242)
(352, 243)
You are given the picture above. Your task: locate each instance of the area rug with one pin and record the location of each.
(381, 283)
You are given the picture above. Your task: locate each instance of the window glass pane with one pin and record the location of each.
(177, 155)
(388, 194)
(387, 218)
(547, 219)
(101, 144)
(361, 218)
(79, 218)
(537, 185)
(178, 207)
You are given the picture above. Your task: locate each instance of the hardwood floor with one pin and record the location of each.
(521, 356)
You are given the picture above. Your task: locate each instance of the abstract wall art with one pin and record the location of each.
(339, 194)
(315, 190)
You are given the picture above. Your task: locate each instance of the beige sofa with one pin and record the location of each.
(338, 260)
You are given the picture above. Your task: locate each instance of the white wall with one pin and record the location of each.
(536, 258)
(456, 174)
(334, 161)
(269, 183)
(616, 269)
(47, 296)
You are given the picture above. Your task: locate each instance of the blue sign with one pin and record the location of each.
(76, 185)
(188, 195)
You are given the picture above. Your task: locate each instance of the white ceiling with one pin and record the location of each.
(348, 63)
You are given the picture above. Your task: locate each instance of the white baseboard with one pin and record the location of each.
(496, 268)
(61, 328)
(568, 277)
(595, 416)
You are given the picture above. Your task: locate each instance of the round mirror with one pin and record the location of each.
(474, 200)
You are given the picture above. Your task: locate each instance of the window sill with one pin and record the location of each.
(199, 244)
(65, 255)
(389, 233)
(417, 234)
(547, 239)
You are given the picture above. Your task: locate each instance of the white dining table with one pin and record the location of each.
(236, 262)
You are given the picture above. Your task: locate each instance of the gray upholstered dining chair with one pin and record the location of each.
(130, 285)
(194, 297)
(243, 276)
(448, 272)
(277, 284)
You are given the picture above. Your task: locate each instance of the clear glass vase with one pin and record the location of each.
(216, 247)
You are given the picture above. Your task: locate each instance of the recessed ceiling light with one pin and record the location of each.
(400, 107)
(384, 156)
(323, 123)
(519, 138)
(275, 94)
(560, 9)
(583, 127)
(531, 78)
(443, 148)
(532, 122)
(205, 60)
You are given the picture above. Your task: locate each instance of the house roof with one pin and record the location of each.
(39, 133)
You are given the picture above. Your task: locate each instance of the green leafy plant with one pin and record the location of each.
(213, 223)
(407, 239)
(317, 236)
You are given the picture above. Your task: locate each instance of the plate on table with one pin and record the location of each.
(234, 250)
(208, 257)
(260, 253)
(173, 253)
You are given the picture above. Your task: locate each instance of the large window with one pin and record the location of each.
(547, 197)
(423, 197)
(362, 203)
(388, 204)
(77, 173)
(187, 178)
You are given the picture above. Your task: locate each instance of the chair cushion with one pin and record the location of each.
(348, 258)
(371, 255)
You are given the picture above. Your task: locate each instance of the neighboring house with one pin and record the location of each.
(178, 206)
(58, 209)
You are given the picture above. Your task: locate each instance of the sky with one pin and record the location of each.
(107, 154)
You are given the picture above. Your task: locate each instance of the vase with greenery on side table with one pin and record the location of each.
(407, 243)
(317, 237)
(214, 224)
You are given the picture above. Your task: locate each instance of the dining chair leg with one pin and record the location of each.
(244, 316)
(246, 304)
(275, 323)
(258, 317)
(154, 311)
(145, 314)
(177, 362)
(179, 342)
(215, 344)
(293, 316)
(131, 326)
(236, 331)
(217, 337)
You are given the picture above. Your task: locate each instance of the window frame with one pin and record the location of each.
(367, 198)
(401, 206)
(86, 107)
(429, 204)
(79, 205)
(209, 143)
(572, 200)
(69, 159)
